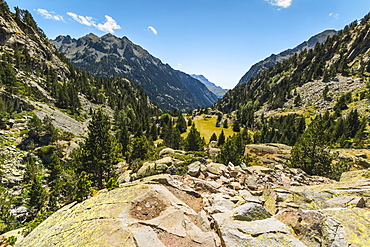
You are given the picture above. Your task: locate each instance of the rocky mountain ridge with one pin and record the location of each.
(219, 91)
(274, 59)
(112, 56)
(344, 54)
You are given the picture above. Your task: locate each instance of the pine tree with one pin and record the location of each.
(7, 219)
(297, 100)
(171, 136)
(181, 124)
(36, 192)
(232, 150)
(99, 153)
(193, 141)
(213, 138)
(245, 135)
(35, 128)
(310, 152)
(221, 139)
(190, 122)
(325, 92)
(236, 126)
(140, 148)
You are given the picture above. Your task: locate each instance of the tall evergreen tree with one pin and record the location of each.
(193, 141)
(221, 139)
(181, 124)
(232, 150)
(36, 192)
(213, 137)
(171, 136)
(99, 151)
(310, 153)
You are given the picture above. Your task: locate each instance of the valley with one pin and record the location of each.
(96, 134)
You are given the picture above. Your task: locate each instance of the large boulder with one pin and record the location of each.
(267, 232)
(216, 168)
(166, 151)
(144, 213)
(250, 212)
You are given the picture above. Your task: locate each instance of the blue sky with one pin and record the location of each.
(220, 39)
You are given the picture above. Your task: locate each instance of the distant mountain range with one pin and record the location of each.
(274, 59)
(219, 91)
(112, 56)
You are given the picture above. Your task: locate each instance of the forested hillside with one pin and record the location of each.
(274, 59)
(44, 167)
(316, 100)
(345, 53)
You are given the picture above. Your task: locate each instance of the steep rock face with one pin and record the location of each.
(112, 56)
(219, 91)
(16, 33)
(274, 59)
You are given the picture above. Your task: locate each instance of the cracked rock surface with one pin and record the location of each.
(165, 210)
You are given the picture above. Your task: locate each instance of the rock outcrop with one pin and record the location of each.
(205, 210)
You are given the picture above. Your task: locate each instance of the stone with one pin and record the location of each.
(125, 177)
(355, 175)
(166, 151)
(206, 186)
(250, 212)
(218, 203)
(349, 226)
(256, 192)
(345, 201)
(145, 236)
(214, 151)
(243, 166)
(236, 185)
(361, 155)
(259, 169)
(251, 183)
(314, 227)
(165, 160)
(267, 232)
(216, 168)
(363, 162)
(194, 169)
(150, 168)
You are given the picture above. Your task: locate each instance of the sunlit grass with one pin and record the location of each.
(207, 126)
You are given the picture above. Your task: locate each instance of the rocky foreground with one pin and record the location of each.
(218, 205)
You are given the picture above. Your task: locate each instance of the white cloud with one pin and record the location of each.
(280, 3)
(85, 20)
(153, 30)
(49, 14)
(335, 16)
(109, 26)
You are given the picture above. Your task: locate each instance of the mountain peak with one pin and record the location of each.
(112, 56)
(91, 36)
(219, 91)
(109, 36)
